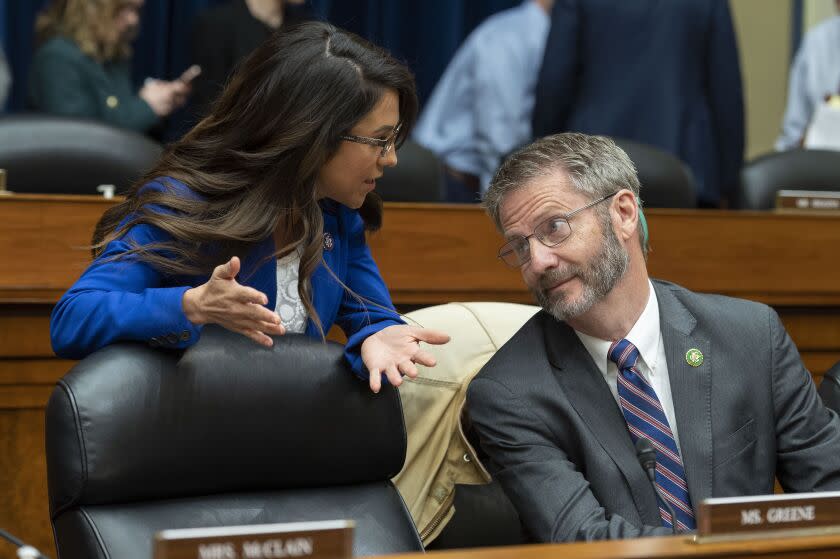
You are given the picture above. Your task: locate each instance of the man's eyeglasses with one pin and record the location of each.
(551, 232)
(386, 144)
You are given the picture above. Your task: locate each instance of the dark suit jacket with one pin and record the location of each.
(558, 443)
(661, 72)
(223, 36)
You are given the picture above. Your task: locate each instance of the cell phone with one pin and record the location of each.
(190, 73)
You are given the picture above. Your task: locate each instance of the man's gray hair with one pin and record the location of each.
(594, 165)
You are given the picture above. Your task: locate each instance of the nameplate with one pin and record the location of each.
(808, 200)
(318, 540)
(793, 514)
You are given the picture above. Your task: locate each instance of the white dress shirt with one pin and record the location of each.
(647, 337)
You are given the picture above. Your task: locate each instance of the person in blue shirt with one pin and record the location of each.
(480, 109)
(814, 76)
(256, 219)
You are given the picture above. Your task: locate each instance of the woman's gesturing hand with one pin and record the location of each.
(223, 301)
(395, 350)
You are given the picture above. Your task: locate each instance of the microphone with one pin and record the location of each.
(647, 458)
(24, 551)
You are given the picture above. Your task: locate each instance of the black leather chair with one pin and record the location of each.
(60, 155)
(417, 178)
(225, 433)
(666, 181)
(829, 388)
(798, 169)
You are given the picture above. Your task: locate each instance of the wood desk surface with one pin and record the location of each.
(428, 252)
(431, 253)
(677, 547)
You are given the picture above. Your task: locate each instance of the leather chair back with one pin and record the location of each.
(417, 178)
(61, 155)
(666, 182)
(830, 388)
(225, 433)
(798, 169)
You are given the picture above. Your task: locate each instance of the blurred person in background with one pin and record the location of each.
(82, 66)
(225, 34)
(660, 73)
(814, 75)
(5, 79)
(480, 110)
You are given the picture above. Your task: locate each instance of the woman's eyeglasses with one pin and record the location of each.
(386, 144)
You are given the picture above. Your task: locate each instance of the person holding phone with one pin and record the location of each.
(82, 66)
(255, 220)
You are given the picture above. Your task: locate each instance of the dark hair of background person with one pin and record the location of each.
(88, 23)
(254, 159)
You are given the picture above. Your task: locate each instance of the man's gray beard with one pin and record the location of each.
(598, 279)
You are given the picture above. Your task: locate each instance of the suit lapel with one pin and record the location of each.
(589, 394)
(691, 388)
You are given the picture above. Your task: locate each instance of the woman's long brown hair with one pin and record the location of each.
(251, 164)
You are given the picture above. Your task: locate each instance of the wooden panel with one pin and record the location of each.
(430, 254)
(47, 239)
(451, 255)
(32, 371)
(779, 258)
(818, 363)
(812, 329)
(677, 547)
(434, 253)
(24, 511)
(24, 396)
(25, 330)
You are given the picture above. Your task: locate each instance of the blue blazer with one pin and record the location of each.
(131, 300)
(664, 73)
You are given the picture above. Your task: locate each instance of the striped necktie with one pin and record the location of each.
(645, 418)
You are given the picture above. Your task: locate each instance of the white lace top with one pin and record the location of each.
(289, 306)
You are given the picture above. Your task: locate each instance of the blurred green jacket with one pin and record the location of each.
(65, 81)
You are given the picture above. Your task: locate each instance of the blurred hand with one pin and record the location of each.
(180, 91)
(223, 301)
(164, 97)
(393, 351)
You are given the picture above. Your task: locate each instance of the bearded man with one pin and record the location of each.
(714, 384)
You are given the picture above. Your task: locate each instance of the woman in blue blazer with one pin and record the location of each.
(256, 219)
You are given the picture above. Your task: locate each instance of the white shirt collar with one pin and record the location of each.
(644, 335)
